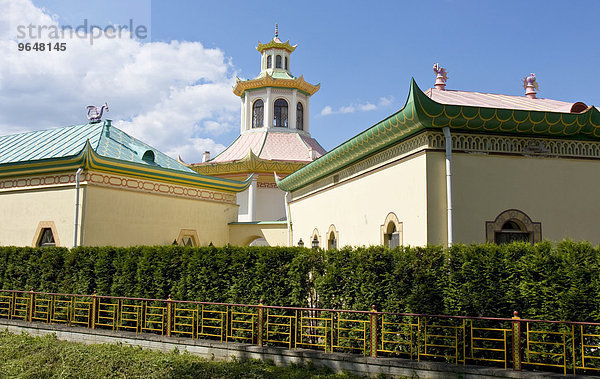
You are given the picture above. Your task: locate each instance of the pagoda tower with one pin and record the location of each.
(274, 134)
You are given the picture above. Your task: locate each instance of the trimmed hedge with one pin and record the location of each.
(559, 282)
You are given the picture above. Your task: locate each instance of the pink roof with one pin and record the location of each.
(491, 100)
(241, 146)
(281, 146)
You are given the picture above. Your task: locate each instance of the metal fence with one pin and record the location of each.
(511, 343)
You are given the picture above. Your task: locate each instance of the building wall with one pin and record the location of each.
(437, 219)
(270, 204)
(274, 233)
(358, 206)
(558, 192)
(24, 210)
(126, 218)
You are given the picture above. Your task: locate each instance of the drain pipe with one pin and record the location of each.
(287, 216)
(79, 171)
(448, 140)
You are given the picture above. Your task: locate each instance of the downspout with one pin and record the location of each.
(448, 140)
(76, 229)
(287, 216)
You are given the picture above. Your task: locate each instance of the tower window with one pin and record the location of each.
(47, 238)
(269, 61)
(257, 114)
(278, 61)
(299, 117)
(286, 63)
(280, 114)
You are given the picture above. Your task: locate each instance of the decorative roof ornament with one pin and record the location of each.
(94, 114)
(530, 84)
(276, 43)
(441, 77)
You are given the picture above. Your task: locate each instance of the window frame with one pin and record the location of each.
(300, 116)
(280, 115)
(493, 229)
(255, 119)
(43, 225)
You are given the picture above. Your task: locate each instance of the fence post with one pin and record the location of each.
(93, 318)
(373, 321)
(31, 305)
(516, 341)
(169, 315)
(259, 323)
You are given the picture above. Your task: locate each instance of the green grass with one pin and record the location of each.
(24, 356)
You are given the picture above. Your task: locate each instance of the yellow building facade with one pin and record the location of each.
(95, 185)
(455, 167)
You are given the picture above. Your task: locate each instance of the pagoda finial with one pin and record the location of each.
(276, 30)
(441, 76)
(530, 84)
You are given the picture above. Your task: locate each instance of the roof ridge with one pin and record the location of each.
(498, 94)
(263, 144)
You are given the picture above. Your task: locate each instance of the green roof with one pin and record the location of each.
(98, 146)
(422, 113)
(104, 138)
(277, 74)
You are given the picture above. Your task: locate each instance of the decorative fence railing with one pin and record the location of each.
(506, 342)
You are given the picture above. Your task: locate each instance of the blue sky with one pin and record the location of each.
(360, 52)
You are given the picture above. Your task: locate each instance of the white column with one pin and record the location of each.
(248, 113)
(268, 110)
(306, 115)
(252, 199)
(292, 112)
(448, 140)
(243, 107)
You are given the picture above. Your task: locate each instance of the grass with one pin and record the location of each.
(24, 356)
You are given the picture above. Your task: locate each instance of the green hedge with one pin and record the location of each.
(560, 282)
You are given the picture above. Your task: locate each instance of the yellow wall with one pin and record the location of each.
(358, 207)
(437, 220)
(126, 218)
(559, 193)
(22, 211)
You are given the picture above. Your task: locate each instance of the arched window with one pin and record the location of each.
(269, 61)
(257, 114)
(332, 238)
(280, 113)
(391, 231)
(513, 225)
(148, 156)
(286, 63)
(299, 116)
(278, 61)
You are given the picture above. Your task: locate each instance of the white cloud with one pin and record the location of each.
(361, 107)
(174, 96)
(327, 110)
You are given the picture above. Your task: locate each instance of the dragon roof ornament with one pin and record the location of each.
(94, 114)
